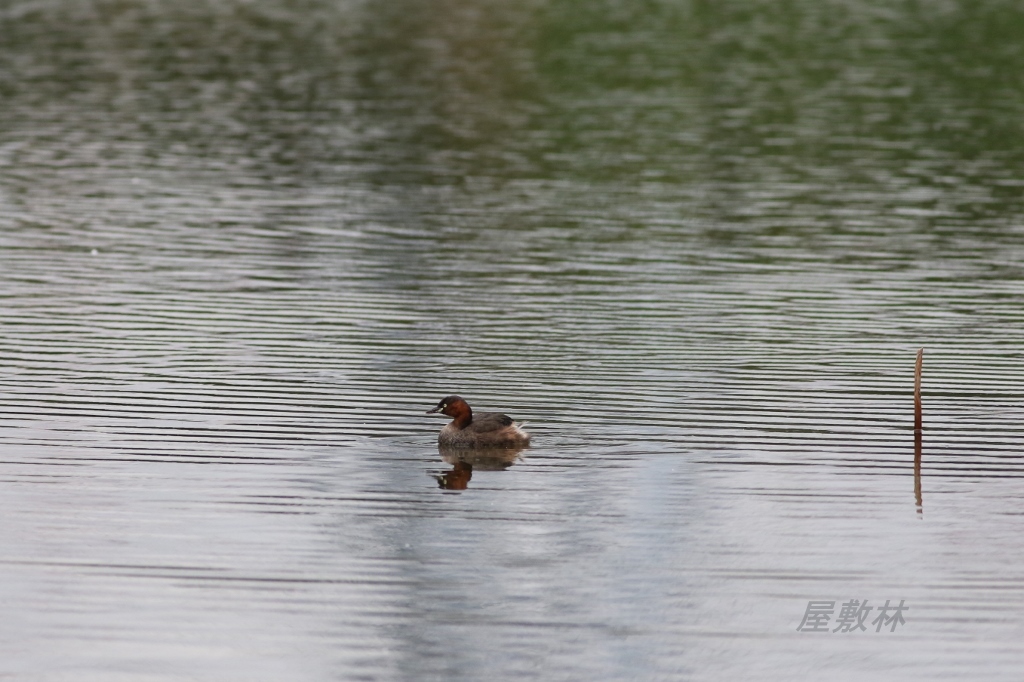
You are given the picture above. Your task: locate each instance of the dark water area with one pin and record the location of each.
(244, 246)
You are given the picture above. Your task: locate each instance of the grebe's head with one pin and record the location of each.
(453, 406)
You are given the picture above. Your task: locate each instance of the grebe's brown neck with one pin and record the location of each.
(456, 408)
(460, 412)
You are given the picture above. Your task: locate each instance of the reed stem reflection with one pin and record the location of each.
(918, 429)
(917, 471)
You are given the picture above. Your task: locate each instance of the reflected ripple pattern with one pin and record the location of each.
(245, 245)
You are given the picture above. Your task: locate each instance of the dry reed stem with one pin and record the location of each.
(917, 390)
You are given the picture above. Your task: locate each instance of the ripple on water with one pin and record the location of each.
(242, 249)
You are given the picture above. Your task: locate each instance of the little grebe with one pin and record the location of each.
(485, 430)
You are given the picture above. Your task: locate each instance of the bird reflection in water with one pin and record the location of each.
(465, 461)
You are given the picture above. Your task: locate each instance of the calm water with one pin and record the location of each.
(245, 245)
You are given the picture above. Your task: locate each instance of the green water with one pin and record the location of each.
(245, 245)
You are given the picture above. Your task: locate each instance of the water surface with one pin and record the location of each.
(244, 246)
